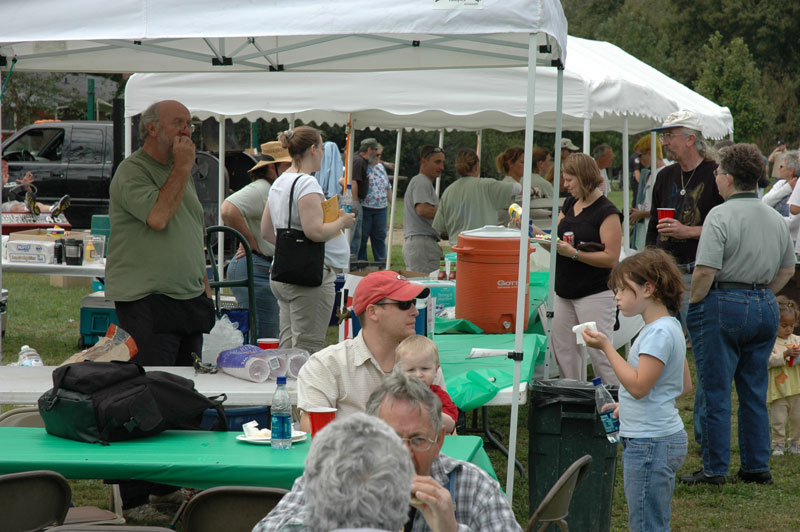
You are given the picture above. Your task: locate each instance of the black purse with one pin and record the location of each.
(298, 259)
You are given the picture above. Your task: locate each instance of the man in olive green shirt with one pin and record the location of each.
(155, 269)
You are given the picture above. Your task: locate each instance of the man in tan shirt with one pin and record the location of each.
(344, 375)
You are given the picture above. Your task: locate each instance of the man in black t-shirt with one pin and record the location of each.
(687, 186)
(366, 155)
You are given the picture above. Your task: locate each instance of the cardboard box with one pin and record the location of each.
(66, 281)
(31, 251)
(41, 234)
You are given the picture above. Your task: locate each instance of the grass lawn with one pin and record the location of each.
(47, 318)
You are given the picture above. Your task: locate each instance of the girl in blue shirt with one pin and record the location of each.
(655, 374)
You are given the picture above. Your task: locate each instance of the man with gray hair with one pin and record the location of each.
(448, 495)
(688, 188)
(358, 477)
(604, 157)
(156, 267)
(366, 155)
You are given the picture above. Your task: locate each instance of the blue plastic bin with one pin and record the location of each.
(238, 417)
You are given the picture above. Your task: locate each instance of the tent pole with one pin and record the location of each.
(439, 179)
(348, 165)
(587, 130)
(1, 219)
(394, 198)
(523, 278)
(220, 199)
(479, 142)
(548, 359)
(626, 191)
(128, 136)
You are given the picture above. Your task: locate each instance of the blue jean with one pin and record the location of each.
(373, 227)
(699, 397)
(648, 468)
(733, 332)
(266, 309)
(355, 233)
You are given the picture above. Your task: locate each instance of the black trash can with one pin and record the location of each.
(563, 426)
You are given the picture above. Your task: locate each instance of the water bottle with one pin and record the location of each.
(347, 199)
(605, 407)
(281, 417)
(29, 356)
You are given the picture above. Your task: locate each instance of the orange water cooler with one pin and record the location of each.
(486, 286)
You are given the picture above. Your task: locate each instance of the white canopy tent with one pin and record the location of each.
(314, 35)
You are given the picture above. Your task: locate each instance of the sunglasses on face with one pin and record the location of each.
(402, 305)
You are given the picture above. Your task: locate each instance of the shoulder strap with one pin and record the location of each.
(291, 198)
(451, 485)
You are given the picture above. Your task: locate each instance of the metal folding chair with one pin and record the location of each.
(218, 283)
(229, 508)
(555, 505)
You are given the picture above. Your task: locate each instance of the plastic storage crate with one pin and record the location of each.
(97, 313)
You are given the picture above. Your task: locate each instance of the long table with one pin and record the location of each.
(24, 385)
(85, 270)
(194, 459)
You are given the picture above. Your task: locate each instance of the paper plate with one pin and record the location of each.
(297, 436)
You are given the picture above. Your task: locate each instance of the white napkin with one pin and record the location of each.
(578, 330)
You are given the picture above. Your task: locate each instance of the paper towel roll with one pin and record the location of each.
(255, 369)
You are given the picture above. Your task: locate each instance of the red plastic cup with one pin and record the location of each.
(320, 417)
(666, 213)
(268, 343)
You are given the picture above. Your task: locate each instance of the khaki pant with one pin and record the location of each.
(779, 411)
(599, 308)
(422, 254)
(305, 312)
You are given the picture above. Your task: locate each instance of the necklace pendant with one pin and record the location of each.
(683, 192)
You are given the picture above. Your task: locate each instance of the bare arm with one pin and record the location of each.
(170, 195)
(305, 421)
(638, 381)
(781, 278)
(267, 229)
(687, 378)
(675, 229)
(426, 210)
(232, 217)
(702, 279)
(310, 207)
(610, 236)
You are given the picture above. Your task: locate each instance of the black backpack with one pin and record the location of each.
(113, 401)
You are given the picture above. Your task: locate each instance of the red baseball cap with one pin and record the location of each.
(385, 284)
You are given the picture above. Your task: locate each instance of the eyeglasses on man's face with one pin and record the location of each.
(420, 443)
(669, 136)
(402, 305)
(180, 124)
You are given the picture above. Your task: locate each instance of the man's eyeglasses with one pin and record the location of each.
(669, 136)
(402, 305)
(420, 443)
(180, 124)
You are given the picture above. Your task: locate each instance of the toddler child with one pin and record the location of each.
(419, 356)
(655, 374)
(783, 390)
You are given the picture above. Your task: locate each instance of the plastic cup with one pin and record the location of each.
(666, 213)
(268, 343)
(320, 417)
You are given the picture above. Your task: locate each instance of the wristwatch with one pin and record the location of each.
(575, 255)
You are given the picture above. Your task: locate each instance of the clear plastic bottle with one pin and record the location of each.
(347, 199)
(29, 356)
(281, 411)
(605, 407)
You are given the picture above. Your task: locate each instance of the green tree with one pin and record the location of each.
(728, 75)
(32, 96)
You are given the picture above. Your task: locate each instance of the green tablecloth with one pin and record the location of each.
(472, 382)
(194, 459)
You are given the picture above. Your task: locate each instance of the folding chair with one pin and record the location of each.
(29, 417)
(555, 505)
(217, 283)
(229, 508)
(33, 500)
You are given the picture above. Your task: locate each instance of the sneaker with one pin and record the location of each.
(794, 448)
(30, 203)
(699, 477)
(778, 450)
(174, 498)
(60, 206)
(146, 514)
(763, 477)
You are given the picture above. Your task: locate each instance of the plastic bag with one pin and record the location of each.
(225, 335)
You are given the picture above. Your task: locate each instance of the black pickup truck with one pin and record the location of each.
(74, 158)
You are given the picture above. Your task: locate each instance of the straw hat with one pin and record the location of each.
(274, 150)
